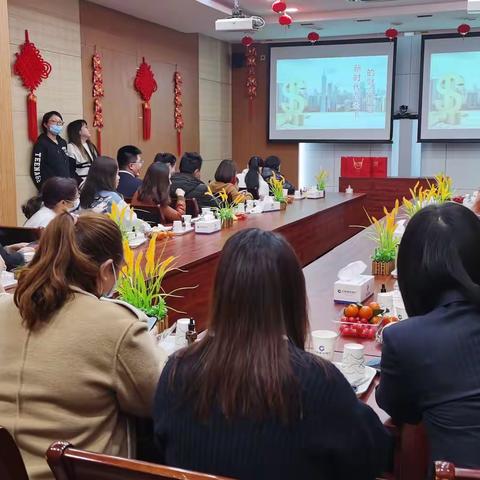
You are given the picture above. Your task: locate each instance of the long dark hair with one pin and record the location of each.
(251, 178)
(156, 185)
(70, 253)
(439, 252)
(244, 363)
(226, 172)
(101, 176)
(73, 133)
(53, 191)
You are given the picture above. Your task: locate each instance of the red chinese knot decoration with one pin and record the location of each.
(313, 37)
(251, 60)
(146, 85)
(463, 29)
(32, 69)
(97, 93)
(391, 33)
(247, 41)
(178, 116)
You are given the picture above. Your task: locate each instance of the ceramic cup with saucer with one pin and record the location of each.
(177, 226)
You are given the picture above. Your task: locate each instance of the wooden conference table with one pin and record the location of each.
(313, 227)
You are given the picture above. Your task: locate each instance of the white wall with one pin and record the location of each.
(405, 156)
(54, 27)
(215, 103)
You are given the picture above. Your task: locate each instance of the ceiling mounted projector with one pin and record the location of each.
(239, 22)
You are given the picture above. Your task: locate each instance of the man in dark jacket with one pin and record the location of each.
(49, 156)
(189, 180)
(272, 167)
(129, 165)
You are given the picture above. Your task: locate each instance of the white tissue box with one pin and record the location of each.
(353, 291)
(208, 226)
(315, 194)
(271, 206)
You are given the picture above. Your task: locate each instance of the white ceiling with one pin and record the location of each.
(329, 17)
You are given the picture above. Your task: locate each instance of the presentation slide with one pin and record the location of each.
(450, 89)
(336, 92)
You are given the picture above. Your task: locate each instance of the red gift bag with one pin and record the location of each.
(356, 167)
(379, 167)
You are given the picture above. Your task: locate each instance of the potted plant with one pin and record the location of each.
(321, 180)
(383, 259)
(123, 218)
(224, 209)
(141, 286)
(277, 189)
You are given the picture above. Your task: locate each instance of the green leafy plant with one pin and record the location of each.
(224, 209)
(277, 187)
(321, 179)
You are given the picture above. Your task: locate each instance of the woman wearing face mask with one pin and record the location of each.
(58, 195)
(154, 192)
(49, 156)
(80, 147)
(73, 364)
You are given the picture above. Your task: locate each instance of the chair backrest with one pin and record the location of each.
(191, 207)
(68, 463)
(11, 462)
(151, 215)
(447, 471)
(11, 235)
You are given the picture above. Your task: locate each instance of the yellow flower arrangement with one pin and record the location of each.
(224, 208)
(384, 235)
(276, 187)
(142, 287)
(119, 215)
(321, 179)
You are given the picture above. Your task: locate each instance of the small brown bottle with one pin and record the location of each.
(191, 334)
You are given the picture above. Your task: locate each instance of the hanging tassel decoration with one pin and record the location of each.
(97, 93)
(178, 115)
(32, 117)
(147, 121)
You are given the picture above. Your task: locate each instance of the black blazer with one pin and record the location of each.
(430, 372)
(128, 184)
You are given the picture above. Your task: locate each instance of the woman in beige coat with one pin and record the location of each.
(73, 364)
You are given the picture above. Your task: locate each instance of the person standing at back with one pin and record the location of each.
(81, 148)
(188, 179)
(130, 163)
(49, 156)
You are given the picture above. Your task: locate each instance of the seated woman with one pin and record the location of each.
(254, 182)
(58, 195)
(271, 168)
(73, 364)
(155, 192)
(226, 178)
(168, 158)
(247, 401)
(429, 369)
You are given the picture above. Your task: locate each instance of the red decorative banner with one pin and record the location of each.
(97, 93)
(178, 116)
(146, 85)
(251, 84)
(32, 69)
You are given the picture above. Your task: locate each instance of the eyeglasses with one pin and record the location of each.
(59, 123)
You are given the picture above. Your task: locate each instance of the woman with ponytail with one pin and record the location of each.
(73, 364)
(430, 362)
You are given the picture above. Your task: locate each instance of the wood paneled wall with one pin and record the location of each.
(250, 137)
(122, 41)
(7, 158)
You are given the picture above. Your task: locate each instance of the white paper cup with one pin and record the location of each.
(177, 226)
(298, 193)
(182, 327)
(241, 208)
(250, 204)
(353, 362)
(187, 220)
(285, 192)
(205, 210)
(323, 343)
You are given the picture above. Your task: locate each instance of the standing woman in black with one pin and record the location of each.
(49, 156)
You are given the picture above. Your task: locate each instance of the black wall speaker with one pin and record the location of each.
(238, 60)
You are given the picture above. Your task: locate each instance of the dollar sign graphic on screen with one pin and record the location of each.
(295, 104)
(450, 87)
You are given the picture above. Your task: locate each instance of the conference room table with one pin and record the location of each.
(313, 227)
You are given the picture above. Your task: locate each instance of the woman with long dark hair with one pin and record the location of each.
(155, 192)
(58, 195)
(80, 147)
(226, 179)
(247, 401)
(73, 364)
(430, 362)
(254, 181)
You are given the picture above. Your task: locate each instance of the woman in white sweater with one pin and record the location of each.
(80, 147)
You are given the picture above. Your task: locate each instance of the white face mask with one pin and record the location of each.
(76, 204)
(112, 291)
